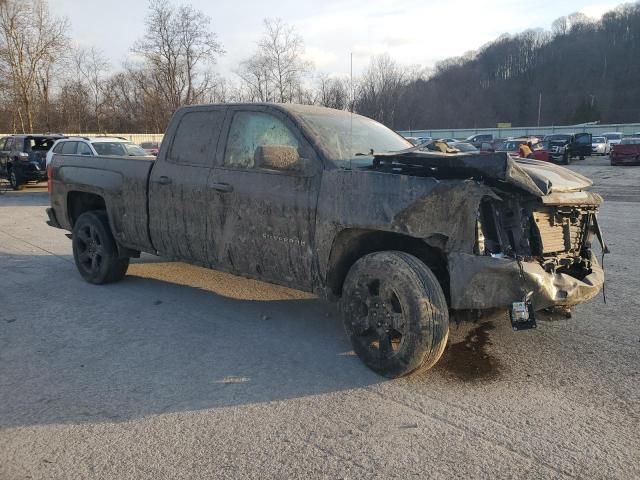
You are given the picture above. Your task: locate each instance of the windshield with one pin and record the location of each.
(559, 138)
(335, 135)
(599, 140)
(613, 136)
(120, 149)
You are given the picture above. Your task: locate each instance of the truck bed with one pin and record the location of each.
(121, 181)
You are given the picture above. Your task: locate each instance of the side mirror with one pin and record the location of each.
(280, 157)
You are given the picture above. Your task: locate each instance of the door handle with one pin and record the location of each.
(222, 187)
(163, 180)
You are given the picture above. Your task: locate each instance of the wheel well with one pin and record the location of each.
(81, 202)
(352, 244)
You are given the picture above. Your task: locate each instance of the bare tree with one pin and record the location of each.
(92, 66)
(177, 50)
(31, 40)
(333, 92)
(380, 88)
(275, 71)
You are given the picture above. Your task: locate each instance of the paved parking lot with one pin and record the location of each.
(181, 372)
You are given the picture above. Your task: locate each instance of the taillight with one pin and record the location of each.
(49, 178)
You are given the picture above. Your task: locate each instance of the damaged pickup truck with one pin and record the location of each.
(336, 204)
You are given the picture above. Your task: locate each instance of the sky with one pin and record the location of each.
(412, 32)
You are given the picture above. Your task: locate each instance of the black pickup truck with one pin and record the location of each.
(336, 204)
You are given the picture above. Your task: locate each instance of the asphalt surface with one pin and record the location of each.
(182, 372)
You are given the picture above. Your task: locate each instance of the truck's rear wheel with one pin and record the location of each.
(395, 313)
(95, 250)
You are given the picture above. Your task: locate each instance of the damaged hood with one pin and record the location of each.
(533, 176)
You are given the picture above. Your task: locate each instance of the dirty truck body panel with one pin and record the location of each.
(493, 227)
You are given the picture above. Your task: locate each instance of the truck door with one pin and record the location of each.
(266, 215)
(582, 144)
(178, 185)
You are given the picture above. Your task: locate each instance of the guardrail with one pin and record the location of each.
(624, 128)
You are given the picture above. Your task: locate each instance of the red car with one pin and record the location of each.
(152, 148)
(627, 152)
(512, 146)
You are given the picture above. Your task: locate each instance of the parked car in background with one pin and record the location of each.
(613, 138)
(152, 148)
(478, 139)
(448, 140)
(92, 146)
(627, 152)
(566, 146)
(512, 146)
(600, 146)
(23, 158)
(465, 147)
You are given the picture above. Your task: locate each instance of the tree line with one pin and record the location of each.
(579, 71)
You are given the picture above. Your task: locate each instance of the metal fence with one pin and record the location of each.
(624, 128)
(132, 137)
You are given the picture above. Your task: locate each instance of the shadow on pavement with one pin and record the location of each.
(78, 353)
(25, 198)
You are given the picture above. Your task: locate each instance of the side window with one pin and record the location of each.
(196, 138)
(69, 148)
(250, 130)
(10, 143)
(2, 142)
(58, 147)
(84, 149)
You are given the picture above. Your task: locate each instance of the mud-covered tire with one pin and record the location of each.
(395, 313)
(15, 180)
(95, 251)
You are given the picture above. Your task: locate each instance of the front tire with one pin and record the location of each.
(95, 251)
(395, 313)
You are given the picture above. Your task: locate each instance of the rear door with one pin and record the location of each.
(266, 216)
(178, 194)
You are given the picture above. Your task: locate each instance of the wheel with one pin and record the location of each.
(581, 157)
(15, 180)
(395, 313)
(566, 159)
(95, 250)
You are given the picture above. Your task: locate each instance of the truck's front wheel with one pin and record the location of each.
(95, 250)
(395, 313)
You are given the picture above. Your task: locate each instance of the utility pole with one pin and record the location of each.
(539, 106)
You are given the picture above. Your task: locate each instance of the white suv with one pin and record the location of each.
(115, 146)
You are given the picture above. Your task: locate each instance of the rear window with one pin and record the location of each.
(196, 138)
(630, 141)
(39, 144)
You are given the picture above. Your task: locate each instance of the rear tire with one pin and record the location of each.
(15, 180)
(95, 251)
(395, 313)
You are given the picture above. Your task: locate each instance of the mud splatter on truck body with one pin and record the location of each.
(294, 195)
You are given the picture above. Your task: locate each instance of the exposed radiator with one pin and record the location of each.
(559, 231)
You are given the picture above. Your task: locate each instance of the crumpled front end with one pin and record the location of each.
(536, 248)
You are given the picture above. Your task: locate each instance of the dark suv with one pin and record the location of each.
(23, 158)
(480, 139)
(565, 146)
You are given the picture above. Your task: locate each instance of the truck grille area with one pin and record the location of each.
(556, 236)
(558, 231)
